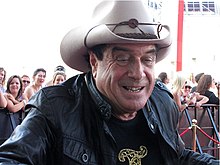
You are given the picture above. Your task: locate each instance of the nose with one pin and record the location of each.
(136, 70)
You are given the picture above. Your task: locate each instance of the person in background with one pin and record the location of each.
(214, 88)
(25, 82)
(39, 76)
(2, 79)
(187, 88)
(183, 97)
(163, 77)
(112, 113)
(3, 101)
(192, 79)
(217, 84)
(197, 77)
(11, 115)
(178, 94)
(58, 69)
(58, 77)
(205, 83)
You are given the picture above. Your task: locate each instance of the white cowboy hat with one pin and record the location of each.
(114, 22)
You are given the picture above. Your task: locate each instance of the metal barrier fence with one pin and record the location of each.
(199, 128)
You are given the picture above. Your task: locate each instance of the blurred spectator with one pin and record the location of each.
(3, 101)
(11, 116)
(163, 77)
(214, 88)
(205, 83)
(13, 94)
(25, 82)
(58, 77)
(177, 91)
(192, 78)
(218, 88)
(59, 68)
(2, 79)
(187, 87)
(197, 77)
(38, 81)
(183, 97)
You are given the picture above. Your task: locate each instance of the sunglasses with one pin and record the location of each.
(26, 81)
(187, 87)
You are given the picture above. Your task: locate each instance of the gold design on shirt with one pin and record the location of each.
(134, 157)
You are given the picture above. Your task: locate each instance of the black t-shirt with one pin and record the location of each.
(136, 143)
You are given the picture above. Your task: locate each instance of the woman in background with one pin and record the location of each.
(2, 79)
(58, 77)
(3, 101)
(38, 81)
(11, 115)
(205, 83)
(182, 100)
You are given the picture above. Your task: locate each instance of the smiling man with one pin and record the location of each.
(114, 113)
(125, 76)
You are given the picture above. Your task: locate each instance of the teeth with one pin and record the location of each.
(133, 89)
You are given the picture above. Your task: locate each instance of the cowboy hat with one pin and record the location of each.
(114, 22)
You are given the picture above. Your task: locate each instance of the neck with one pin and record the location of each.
(14, 95)
(36, 86)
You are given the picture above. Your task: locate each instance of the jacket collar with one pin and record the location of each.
(103, 106)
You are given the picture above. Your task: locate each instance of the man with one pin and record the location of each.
(25, 81)
(113, 113)
(163, 77)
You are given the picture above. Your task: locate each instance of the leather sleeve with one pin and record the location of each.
(189, 157)
(30, 143)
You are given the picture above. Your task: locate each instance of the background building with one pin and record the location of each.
(201, 24)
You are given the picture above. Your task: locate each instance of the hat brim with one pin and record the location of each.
(75, 44)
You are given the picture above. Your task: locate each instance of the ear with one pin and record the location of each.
(93, 62)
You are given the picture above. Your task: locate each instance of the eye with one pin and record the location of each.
(122, 60)
(149, 60)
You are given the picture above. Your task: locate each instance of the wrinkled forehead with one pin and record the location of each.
(25, 78)
(132, 46)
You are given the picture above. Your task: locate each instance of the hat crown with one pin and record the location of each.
(115, 22)
(116, 12)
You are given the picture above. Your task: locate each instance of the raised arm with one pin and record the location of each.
(3, 101)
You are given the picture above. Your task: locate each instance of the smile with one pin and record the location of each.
(133, 89)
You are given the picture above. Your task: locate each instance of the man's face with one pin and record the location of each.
(125, 75)
(25, 81)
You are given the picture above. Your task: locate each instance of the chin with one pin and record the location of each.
(135, 106)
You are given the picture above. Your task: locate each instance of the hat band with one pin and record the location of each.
(132, 23)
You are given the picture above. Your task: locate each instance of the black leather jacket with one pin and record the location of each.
(67, 124)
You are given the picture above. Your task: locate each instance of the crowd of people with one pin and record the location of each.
(116, 111)
(16, 91)
(202, 89)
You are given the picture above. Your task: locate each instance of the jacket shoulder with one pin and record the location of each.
(69, 90)
(161, 87)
